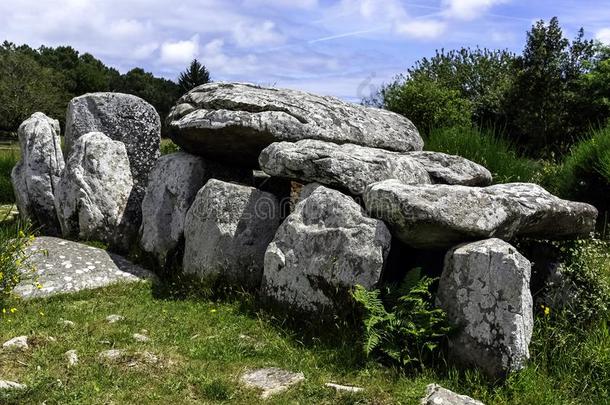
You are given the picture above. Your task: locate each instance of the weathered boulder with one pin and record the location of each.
(36, 175)
(236, 121)
(226, 232)
(452, 169)
(323, 249)
(125, 118)
(437, 395)
(348, 167)
(173, 184)
(485, 291)
(430, 216)
(92, 195)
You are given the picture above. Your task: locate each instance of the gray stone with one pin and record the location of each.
(36, 175)
(485, 291)
(113, 356)
(174, 182)
(114, 318)
(348, 167)
(437, 395)
(438, 216)
(127, 119)
(236, 121)
(323, 249)
(451, 169)
(16, 343)
(64, 266)
(140, 338)
(227, 230)
(271, 380)
(344, 388)
(94, 190)
(11, 385)
(71, 357)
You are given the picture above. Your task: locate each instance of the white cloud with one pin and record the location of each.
(603, 35)
(248, 34)
(307, 4)
(180, 52)
(469, 9)
(424, 29)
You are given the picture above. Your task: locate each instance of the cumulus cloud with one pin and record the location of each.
(424, 29)
(180, 52)
(603, 35)
(248, 34)
(469, 9)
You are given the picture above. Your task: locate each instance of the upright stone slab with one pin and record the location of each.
(94, 190)
(323, 249)
(36, 175)
(226, 232)
(174, 182)
(125, 118)
(237, 121)
(485, 291)
(438, 216)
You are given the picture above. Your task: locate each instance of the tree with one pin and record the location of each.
(195, 75)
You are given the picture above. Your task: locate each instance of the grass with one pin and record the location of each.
(204, 346)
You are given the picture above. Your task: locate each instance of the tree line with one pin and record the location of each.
(47, 78)
(543, 100)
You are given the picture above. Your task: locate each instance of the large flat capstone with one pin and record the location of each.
(236, 121)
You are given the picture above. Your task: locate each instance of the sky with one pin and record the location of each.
(344, 48)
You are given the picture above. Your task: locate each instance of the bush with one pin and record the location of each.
(487, 149)
(14, 239)
(403, 327)
(8, 159)
(168, 146)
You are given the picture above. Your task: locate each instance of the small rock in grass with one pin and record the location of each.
(140, 338)
(345, 388)
(67, 323)
(148, 357)
(72, 357)
(271, 380)
(51, 339)
(20, 343)
(437, 395)
(11, 385)
(114, 318)
(112, 355)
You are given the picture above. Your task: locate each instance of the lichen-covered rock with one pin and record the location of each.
(226, 232)
(94, 190)
(271, 380)
(485, 291)
(125, 118)
(431, 216)
(237, 121)
(323, 249)
(437, 395)
(173, 184)
(36, 175)
(452, 169)
(348, 167)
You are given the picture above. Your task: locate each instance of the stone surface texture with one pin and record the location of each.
(36, 175)
(348, 167)
(236, 121)
(173, 185)
(436, 216)
(227, 230)
(16, 343)
(485, 291)
(94, 191)
(271, 380)
(452, 169)
(63, 266)
(324, 248)
(437, 395)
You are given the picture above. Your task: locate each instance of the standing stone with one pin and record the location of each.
(94, 190)
(485, 291)
(227, 230)
(237, 121)
(348, 167)
(125, 118)
(323, 249)
(36, 175)
(174, 182)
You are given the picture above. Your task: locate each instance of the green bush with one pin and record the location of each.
(402, 326)
(486, 148)
(168, 146)
(8, 159)
(14, 238)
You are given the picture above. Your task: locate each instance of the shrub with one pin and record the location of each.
(487, 149)
(14, 239)
(8, 159)
(168, 146)
(403, 327)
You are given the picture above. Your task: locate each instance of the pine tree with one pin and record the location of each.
(195, 75)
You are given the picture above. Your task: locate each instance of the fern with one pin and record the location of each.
(404, 326)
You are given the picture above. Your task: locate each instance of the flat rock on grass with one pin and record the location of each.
(17, 343)
(63, 266)
(11, 385)
(271, 380)
(437, 395)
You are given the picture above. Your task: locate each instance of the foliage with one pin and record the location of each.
(486, 148)
(168, 146)
(14, 239)
(8, 159)
(195, 75)
(406, 328)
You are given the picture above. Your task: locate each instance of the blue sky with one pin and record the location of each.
(344, 48)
